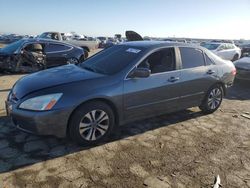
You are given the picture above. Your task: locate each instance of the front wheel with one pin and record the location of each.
(91, 123)
(212, 100)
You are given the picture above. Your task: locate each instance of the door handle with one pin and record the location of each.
(173, 79)
(210, 72)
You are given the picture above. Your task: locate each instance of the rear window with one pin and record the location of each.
(112, 60)
(191, 57)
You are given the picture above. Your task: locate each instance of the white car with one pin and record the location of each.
(226, 51)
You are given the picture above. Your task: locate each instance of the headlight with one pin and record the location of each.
(41, 103)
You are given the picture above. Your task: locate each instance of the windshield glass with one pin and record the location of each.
(112, 60)
(11, 48)
(211, 46)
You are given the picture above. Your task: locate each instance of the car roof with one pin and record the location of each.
(27, 40)
(156, 44)
(42, 40)
(219, 43)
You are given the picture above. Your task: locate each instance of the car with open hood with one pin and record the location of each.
(31, 55)
(124, 83)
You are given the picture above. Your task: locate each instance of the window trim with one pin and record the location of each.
(29, 43)
(59, 51)
(177, 66)
(204, 64)
(205, 57)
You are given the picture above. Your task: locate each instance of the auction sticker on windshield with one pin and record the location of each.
(133, 50)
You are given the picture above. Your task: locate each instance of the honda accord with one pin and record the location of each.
(123, 83)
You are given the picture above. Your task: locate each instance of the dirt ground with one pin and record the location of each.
(184, 149)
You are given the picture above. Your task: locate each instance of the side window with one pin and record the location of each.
(56, 47)
(160, 61)
(191, 57)
(34, 47)
(222, 47)
(232, 46)
(208, 60)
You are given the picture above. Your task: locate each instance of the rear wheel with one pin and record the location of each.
(86, 54)
(91, 123)
(212, 100)
(236, 57)
(72, 60)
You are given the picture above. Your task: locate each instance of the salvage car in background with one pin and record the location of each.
(226, 51)
(243, 68)
(30, 55)
(245, 50)
(123, 83)
(87, 45)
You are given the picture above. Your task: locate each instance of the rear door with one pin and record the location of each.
(157, 94)
(56, 54)
(196, 76)
(225, 52)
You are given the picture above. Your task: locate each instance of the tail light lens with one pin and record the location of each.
(234, 71)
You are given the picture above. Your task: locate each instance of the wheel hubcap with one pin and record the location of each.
(94, 125)
(214, 98)
(72, 61)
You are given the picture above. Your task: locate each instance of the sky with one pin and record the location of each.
(217, 19)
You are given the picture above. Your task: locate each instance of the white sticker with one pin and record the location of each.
(133, 50)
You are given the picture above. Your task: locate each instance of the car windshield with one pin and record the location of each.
(11, 48)
(210, 46)
(112, 60)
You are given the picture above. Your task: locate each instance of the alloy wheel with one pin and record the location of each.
(94, 125)
(214, 98)
(72, 61)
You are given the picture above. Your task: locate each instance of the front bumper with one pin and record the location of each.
(52, 122)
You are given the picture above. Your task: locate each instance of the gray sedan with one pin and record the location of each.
(124, 83)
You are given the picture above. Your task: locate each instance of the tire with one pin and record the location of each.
(72, 60)
(236, 57)
(84, 126)
(86, 54)
(212, 100)
(82, 59)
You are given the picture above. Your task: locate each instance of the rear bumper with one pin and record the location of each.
(41, 123)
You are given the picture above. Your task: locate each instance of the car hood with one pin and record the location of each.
(50, 78)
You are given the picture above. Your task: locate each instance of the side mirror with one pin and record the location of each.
(140, 73)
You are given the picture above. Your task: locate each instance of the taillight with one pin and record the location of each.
(234, 72)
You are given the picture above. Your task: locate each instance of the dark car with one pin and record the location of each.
(245, 50)
(243, 68)
(29, 55)
(123, 83)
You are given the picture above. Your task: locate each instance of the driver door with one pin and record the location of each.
(156, 94)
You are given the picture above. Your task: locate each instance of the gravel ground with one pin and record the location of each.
(184, 149)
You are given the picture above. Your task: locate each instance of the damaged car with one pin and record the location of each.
(31, 55)
(124, 83)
